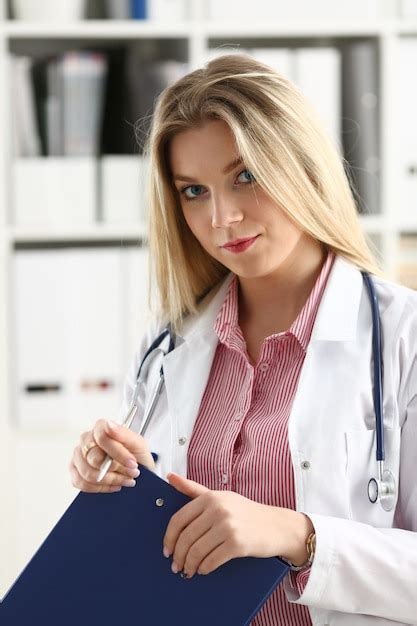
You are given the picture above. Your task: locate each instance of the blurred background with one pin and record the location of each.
(75, 76)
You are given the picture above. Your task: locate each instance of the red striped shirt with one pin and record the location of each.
(240, 438)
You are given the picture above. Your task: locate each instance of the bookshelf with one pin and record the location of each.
(32, 459)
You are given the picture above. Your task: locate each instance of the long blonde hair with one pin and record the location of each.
(281, 141)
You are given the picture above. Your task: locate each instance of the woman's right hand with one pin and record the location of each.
(124, 446)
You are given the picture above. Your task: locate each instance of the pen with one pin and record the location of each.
(108, 460)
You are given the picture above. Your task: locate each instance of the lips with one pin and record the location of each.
(239, 245)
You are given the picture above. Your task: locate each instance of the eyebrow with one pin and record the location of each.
(226, 170)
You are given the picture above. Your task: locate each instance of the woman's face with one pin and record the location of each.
(247, 233)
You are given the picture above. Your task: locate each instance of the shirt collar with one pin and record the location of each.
(227, 328)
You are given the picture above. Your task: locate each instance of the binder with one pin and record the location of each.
(360, 122)
(321, 66)
(404, 154)
(103, 564)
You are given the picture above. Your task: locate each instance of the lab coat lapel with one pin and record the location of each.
(326, 370)
(187, 369)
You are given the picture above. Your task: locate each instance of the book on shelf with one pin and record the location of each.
(294, 10)
(84, 103)
(67, 11)
(88, 310)
(123, 190)
(404, 158)
(134, 81)
(144, 80)
(59, 103)
(25, 133)
(83, 75)
(406, 266)
(152, 10)
(306, 68)
(62, 11)
(317, 73)
(54, 191)
(408, 8)
(360, 122)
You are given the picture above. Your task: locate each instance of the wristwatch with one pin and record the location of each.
(311, 549)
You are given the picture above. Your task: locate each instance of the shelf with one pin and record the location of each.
(133, 232)
(94, 233)
(297, 28)
(90, 29)
(130, 29)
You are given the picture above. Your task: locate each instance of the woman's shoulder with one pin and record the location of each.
(398, 306)
(396, 299)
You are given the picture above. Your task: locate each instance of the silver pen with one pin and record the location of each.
(129, 418)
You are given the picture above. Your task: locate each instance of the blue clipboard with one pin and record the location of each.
(102, 564)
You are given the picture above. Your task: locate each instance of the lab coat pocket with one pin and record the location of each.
(362, 466)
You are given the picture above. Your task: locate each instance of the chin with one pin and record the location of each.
(249, 273)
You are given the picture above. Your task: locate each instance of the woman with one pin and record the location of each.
(267, 418)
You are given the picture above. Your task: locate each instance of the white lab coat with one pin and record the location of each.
(365, 567)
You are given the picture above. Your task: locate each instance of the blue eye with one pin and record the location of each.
(193, 189)
(250, 179)
(196, 189)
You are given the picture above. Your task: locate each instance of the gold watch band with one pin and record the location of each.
(311, 549)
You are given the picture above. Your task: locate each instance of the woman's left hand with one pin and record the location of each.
(217, 526)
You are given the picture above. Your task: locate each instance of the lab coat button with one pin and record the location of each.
(182, 440)
(305, 465)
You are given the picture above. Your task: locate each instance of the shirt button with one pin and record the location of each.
(264, 367)
(224, 479)
(305, 465)
(182, 440)
(238, 416)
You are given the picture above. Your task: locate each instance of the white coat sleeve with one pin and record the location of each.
(362, 569)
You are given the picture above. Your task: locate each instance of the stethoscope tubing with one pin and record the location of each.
(383, 488)
(377, 366)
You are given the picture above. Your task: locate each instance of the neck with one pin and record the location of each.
(273, 302)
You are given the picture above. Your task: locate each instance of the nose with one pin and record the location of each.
(225, 212)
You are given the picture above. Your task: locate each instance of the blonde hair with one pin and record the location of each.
(281, 142)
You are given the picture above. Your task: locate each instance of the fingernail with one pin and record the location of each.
(166, 552)
(131, 463)
(112, 424)
(133, 472)
(129, 483)
(174, 568)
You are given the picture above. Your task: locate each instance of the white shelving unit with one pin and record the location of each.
(38, 460)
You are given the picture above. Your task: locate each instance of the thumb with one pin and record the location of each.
(185, 485)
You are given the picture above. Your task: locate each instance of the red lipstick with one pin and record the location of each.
(240, 245)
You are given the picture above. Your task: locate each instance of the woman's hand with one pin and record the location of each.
(217, 526)
(125, 447)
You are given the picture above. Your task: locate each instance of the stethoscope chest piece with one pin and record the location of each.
(383, 489)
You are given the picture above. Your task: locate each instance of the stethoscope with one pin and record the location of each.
(383, 488)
